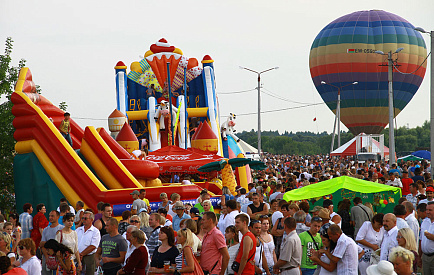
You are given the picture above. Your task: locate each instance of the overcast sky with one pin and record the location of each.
(71, 48)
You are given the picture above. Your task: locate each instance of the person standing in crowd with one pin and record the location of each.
(389, 239)
(64, 209)
(406, 239)
(137, 202)
(346, 253)
(226, 195)
(335, 218)
(399, 212)
(204, 197)
(155, 222)
(279, 229)
(68, 237)
(185, 261)
(267, 240)
(100, 210)
(406, 182)
(261, 265)
(310, 240)
(360, 214)
(142, 196)
(290, 251)
(369, 238)
(124, 222)
(232, 211)
(411, 220)
(232, 241)
(257, 208)
(88, 240)
(47, 234)
(6, 267)
(427, 240)
(412, 196)
(127, 236)
(175, 197)
(166, 252)
(164, 201)
(16, 230)
(402, 260)
(214, 248)
(39, 223)
(62, 201)
(300, 218)
(138, 260)
(242, 199)
(278, 214)
(26, 221)
(344, 213)
(277, 191)
(429, 195)
(79, 213)
(112, 248)
(247, 246)
(180, 215)
(101, 224)
(28, 260)
(321, 257)
(63, 256)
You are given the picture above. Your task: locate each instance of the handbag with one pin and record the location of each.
(236, 265)
(197, 268)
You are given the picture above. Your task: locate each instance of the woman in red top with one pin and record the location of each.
(39, 223)
(138, 260)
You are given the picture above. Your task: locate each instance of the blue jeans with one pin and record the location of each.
(67, 137)
(307, 271)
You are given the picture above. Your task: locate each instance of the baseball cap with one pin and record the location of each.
(135, 192)
(429, 189)
(194, 210)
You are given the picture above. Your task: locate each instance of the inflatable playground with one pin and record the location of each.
(166, 106)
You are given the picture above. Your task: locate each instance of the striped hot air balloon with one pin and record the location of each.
(344, 52)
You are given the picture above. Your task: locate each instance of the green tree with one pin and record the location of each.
(8, 78)
(63, 106)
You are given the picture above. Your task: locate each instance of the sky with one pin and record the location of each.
(71, 48)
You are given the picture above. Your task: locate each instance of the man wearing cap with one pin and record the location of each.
(315, 210)
(359, 214)
(335, 217)
(195, 214)
(429, 191)
(180, 215)
(427, 240)
(324, 214)
(137, 202)
(394, 181)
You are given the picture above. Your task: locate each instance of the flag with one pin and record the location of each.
(351, 50)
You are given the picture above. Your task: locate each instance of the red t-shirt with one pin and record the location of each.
(249, 269)
(406, 186)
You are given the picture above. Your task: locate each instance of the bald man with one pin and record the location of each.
(389, 239)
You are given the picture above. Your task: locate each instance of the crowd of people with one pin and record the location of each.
(256, 231)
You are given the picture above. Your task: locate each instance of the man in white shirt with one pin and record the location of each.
(277, 191)
(429, 191)
(71, 209)
(389, 238)
(399, 211)
(394, 181)
(232, 213)
(346, 252)
(412, 197)
(411, 220)
(278, 214)
(427, 240)
(88, 240)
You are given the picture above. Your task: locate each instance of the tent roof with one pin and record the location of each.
(330, 186)
(349, 148)
(173, 159)
(247, 148)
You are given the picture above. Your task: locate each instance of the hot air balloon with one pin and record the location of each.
(344, 52)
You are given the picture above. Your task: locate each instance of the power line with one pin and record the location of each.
(236, 92)
(279, 110)
(282, 98)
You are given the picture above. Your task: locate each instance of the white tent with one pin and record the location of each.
(360, 144)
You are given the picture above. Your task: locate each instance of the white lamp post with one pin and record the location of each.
(338, 113)
(259, 103)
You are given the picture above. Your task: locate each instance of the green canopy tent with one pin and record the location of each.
(382, 197)
(409, 158)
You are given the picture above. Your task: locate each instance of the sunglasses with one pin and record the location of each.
(134, 221)
(85, 218)
(21, 247)
(317, 219)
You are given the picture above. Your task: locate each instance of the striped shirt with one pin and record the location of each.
(153, 241)
(26, 221)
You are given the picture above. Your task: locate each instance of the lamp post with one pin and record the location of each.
(338, 113)
(391, 109)
(419, 29)
(259, 102)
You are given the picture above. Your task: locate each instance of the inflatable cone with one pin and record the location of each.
(228, 178)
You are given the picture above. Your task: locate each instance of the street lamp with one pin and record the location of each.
(338, 113)
(259, 102)
(391, 110)
(419, 29)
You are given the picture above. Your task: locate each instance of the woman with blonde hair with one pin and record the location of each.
(405, 238)
(232, 241)
(5, 245)
(28, 260)
(226, 195)
(403, 260)
(192, 225)
(144, 223)
(185, 260)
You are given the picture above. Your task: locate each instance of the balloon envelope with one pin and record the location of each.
(344, 52)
